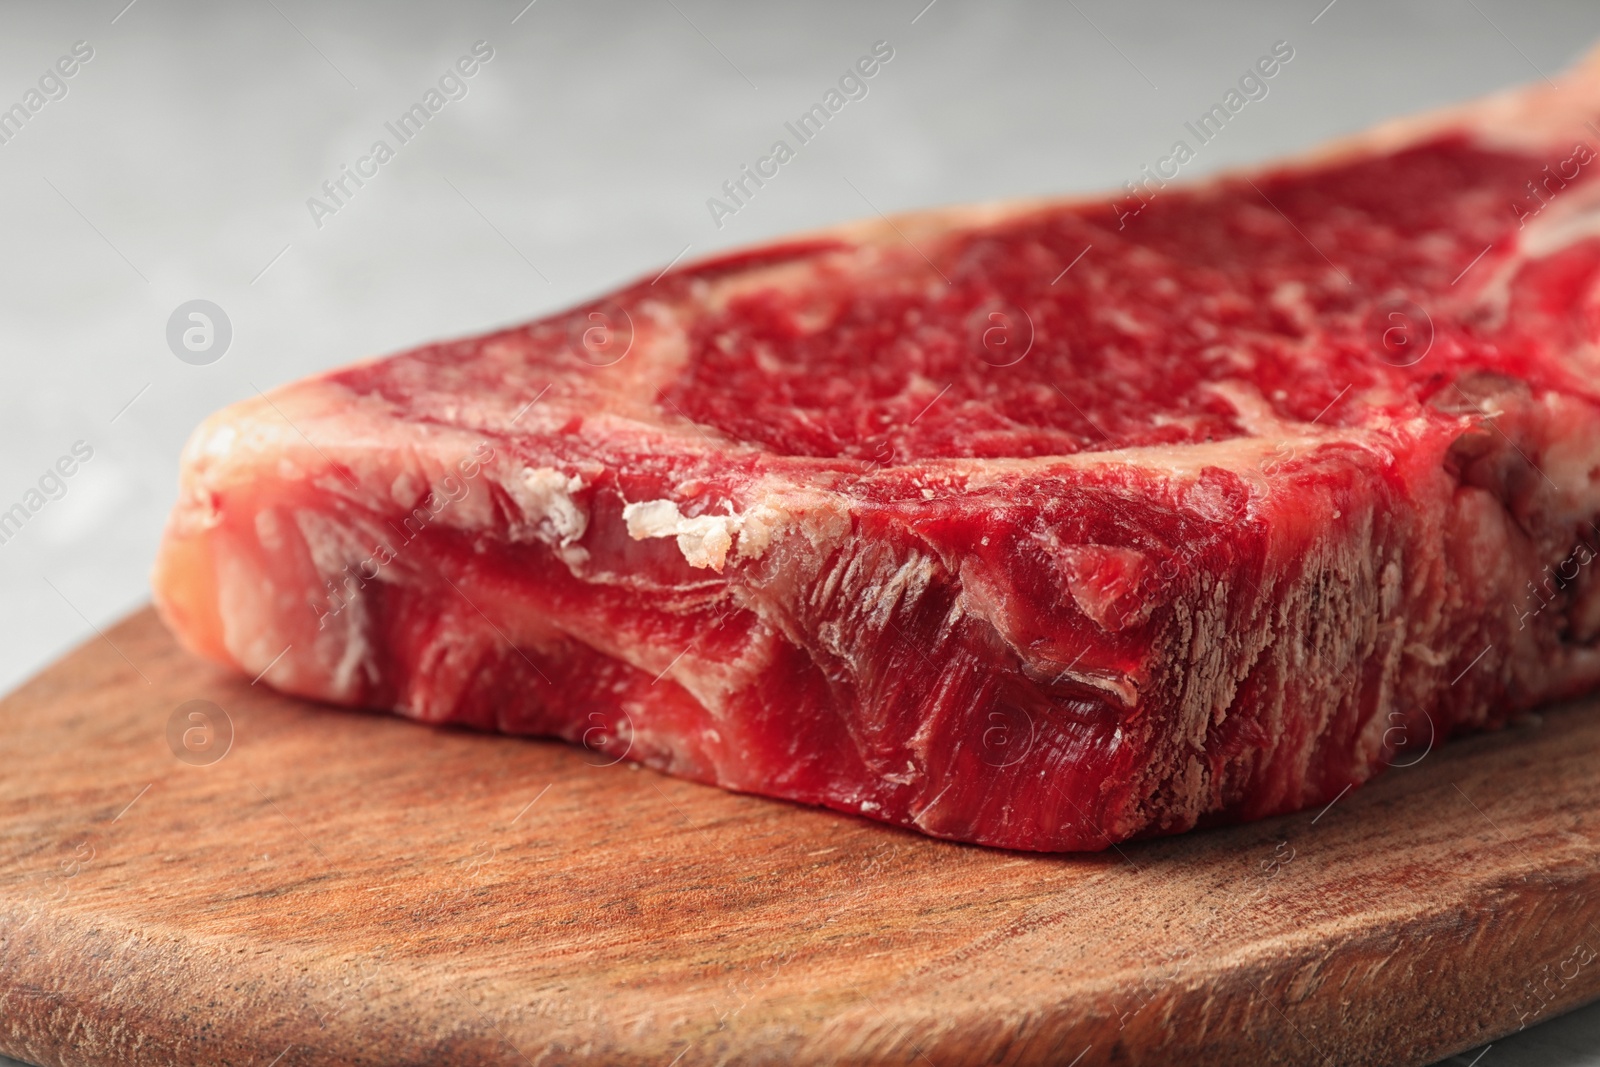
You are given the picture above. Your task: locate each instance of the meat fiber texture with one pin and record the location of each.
(1042, 525)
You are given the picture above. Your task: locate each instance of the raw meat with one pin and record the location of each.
(1040, 525)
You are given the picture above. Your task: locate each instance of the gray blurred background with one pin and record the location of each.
(178, 164)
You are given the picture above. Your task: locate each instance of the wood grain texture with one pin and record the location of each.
(351, 888)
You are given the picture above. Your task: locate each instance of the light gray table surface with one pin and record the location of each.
(180, 160)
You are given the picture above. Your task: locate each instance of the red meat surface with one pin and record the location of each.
(1040, 525)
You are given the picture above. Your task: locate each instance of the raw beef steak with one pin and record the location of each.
(1039, 525)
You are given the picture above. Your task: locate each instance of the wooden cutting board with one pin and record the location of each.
(346, 887)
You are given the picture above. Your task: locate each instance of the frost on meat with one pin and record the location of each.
(1292, 471)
